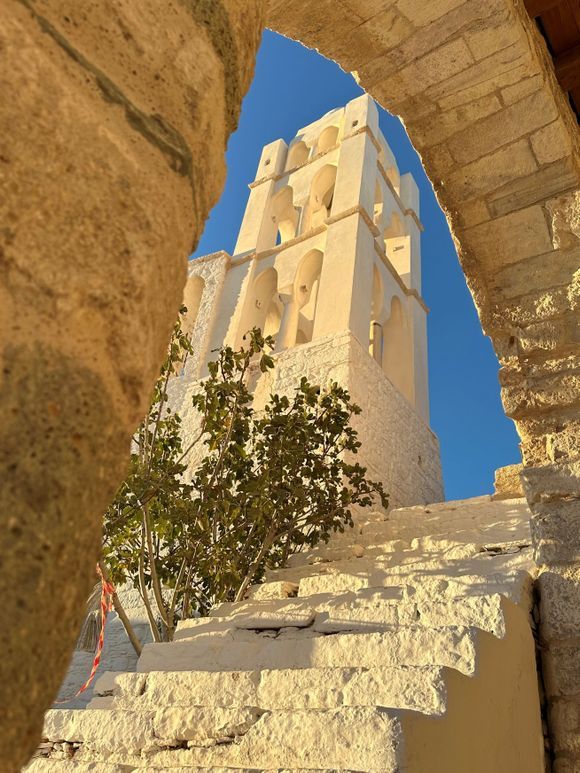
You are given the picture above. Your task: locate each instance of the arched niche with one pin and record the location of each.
(321, 196)
(298, 154)
(263, 308)
(378, 204)
(394, 228)
(377, 313)
(284, 215)
(327, 139)
(389, 164)
(397, 355)
(306, 286)
(192, 296)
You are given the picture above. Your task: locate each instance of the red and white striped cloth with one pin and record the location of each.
(107, 590)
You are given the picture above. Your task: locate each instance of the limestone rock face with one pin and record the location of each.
(427, 664)
(112, 116)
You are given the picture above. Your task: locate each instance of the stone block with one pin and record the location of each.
(435, 129)
(566, 764)
(556, 532)
(453, 646)
(552, 481)
(507, 483)
(560, 602)
(273, 590)
(485, 42)
(521, 89)
(202, 726)
(473, 212)
(425, 13)
(501, 128)
(551, 143)
(539, 274)
(564, 212)
(346, 738)
(561, 662)
(403, 688)
(565, 721)
(129, 731)
(550, 335)
(523, 190)
(432, 68)
(497, 170)
(510, 238)
(504, 68)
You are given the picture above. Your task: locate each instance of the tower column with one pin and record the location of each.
(346, 281)
(289, 324)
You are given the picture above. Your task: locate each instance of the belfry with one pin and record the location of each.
(328, 262)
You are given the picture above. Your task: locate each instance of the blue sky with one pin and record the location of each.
(294, 86)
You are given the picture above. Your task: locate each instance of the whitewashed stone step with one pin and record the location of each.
(372, 609)
(455, 563)
(234, 650)
(344, 739)
(41, 765)
(413, 688)
(271, 614)
(515, 584)
(273, 590)
(135, 731)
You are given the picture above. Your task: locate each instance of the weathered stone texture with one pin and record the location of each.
(111, 118)
(100, 156)
(475, 88)
(366, 679)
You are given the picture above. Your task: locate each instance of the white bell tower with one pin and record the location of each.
(328, 261)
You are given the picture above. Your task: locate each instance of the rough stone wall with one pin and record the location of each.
(113, 123)
(212, 269)
(475, 87)
(398, 447)
(109, 113)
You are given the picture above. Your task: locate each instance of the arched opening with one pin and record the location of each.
(298, 154)
(299, 312)
(396, 350)
(378, 205)
(284, 215)
(263, 308)
(328, 139)
(273, 316)
(306, 291)
(389, 164)
(321, 195)
(192, 295)
(376, 329)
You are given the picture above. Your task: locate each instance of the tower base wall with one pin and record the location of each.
(398, 447)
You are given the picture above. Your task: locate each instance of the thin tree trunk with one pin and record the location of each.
(145, 597)
(119, 609)
(152, 565)
(266, 545)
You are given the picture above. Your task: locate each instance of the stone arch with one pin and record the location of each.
(284, 214)
(377, 313)
(306, 285)
(378, 204)
(262, 308)
(397, 363)
(321, 195)
(517, 240)
(192, 296)
(298, 154)
(327, 139)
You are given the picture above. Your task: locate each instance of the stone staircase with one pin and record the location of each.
(404, 644)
